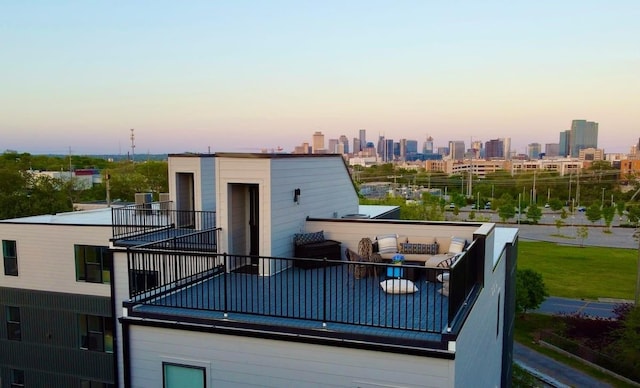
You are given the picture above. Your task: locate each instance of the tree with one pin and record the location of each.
(564, 214)
(627, 346)
(608, 212)
(620, 205)
(559, 224)
(634, 214)
(594, 213)
(530, 290)
(534, 213)
(582, 233)
(555, 204)
(506, 211)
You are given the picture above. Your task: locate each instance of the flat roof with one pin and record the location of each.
(374, 211)
(253, 155)
(99, 217)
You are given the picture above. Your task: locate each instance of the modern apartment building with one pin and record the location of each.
(56, 301)
(237, 304)
(212, 288)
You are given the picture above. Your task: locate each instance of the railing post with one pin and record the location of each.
(324, 292)
(224, 283)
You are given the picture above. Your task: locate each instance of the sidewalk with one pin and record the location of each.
(544, 367)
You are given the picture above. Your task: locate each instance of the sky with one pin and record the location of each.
(240, 76)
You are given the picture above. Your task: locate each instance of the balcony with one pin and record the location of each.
(199, 286)
(155, 221)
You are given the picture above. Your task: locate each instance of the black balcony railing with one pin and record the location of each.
(466, 276)
(328, 291)
(151, 219)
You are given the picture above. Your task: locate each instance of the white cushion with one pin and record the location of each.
(387, 243)
(443, 277)
(457, 245)
(398, 286)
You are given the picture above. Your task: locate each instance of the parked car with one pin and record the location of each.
(581, 209)
(452, 206)
(487, 205)
(546, 206)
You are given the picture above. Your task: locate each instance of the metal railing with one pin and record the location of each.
(327, 291)
(466, 275)
(151, 219)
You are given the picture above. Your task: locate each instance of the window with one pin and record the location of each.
(93, 264)
(94, 384)
(17, 378)
(10, 255)
(14, 331)
(96, 333)
(176, 375)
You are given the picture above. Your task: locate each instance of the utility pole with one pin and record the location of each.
(578, 188)
(602, 203)
(519, 208)
(533, 191)
(133, 145)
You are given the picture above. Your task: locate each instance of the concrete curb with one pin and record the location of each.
(541, 376)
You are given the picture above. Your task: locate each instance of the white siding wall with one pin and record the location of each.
(208, 184)
(350, 232)
(121, 293)
(235, 361)
(326, 189)
(46, 257)
(479, 344)
(186, 165)
(243, 171)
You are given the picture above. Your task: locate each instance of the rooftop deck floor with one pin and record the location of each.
(323, 300)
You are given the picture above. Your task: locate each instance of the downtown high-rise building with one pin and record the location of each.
(427, 148)
(563, 144)
(584, 134)
(362, 135)
(317, 144)
(494, 149)
(552, 149)
(345, 143)
(456, 150)
(533, 150)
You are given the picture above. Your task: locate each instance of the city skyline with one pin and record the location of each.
(242, 76)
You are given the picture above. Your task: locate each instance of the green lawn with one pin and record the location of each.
(589, 272)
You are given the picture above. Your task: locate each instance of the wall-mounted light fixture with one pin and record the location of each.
(296, 196)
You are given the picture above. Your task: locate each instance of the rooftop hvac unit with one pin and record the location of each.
(144, 200)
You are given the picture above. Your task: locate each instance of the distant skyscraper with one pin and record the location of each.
(456, 150)
(563, 145)
(533, 150)
(363, 139)
(428, 146)
(356, 146)
(402, 152)
(388, 150)
(552, 149)
(345, 143)
(333, 146)
(494, 149)
(584, 134)
(506, 142)
(412, 147)
(318, 143)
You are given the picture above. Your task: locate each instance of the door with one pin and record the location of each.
(185, 200)
(244, 221)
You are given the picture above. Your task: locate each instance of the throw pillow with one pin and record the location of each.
(398, 286)
(387, 243)
(457, 245)
(307, 238)
(432, 249)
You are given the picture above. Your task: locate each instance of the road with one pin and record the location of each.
(596, 309)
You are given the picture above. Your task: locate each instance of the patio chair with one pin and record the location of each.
(365, 250)
(358, 270)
